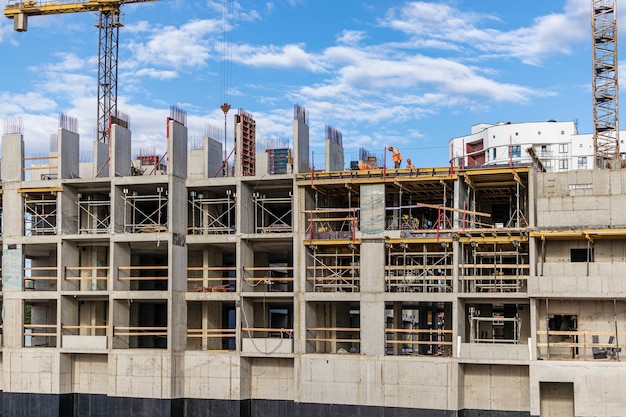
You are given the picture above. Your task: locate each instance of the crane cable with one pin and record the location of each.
(226, 69)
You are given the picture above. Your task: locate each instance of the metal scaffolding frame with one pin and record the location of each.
(270, 216)
(40, 214)
(335, 271)
(410, 270)
(492, 267)
(212, 215)
(94, 216)
(148, 213)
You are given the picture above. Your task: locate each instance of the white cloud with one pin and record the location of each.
(351, 37)
(176, 47)
(290, 56)
(443, 26)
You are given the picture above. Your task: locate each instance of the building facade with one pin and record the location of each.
(558, 146)
(438, 292)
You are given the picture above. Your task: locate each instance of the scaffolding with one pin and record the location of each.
(40, 214)
(212, 215)
(414, 267)
(145, 213)
(272, 214)
(494, 266)
(332, 223)
(334, 268)
(94, 213)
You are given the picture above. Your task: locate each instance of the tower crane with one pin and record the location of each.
(108, 23)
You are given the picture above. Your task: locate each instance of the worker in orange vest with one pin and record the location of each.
(396, 156)
(409, 164)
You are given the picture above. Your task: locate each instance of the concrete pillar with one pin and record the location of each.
(397, 324)
(12, 158)
(100, 159)
(70, 256)
(120, 148)
(69, 154)
(245, 209)
(301, 146)
(334, 155)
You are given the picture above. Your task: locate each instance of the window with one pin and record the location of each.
(581, 255)
(516, 151)
(563, 164)
(516, 133)
(547, 165)
(539, 133)
(582, 162)
(495, 153)
(562, 132)
(563, 147)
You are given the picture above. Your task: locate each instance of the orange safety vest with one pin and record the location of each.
(395, 154)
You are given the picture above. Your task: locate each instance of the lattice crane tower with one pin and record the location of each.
(108, 23)
(605, 85)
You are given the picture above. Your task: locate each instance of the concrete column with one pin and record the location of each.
(245, 209)
(397, 324)
(69, 153)
(120, 148)
(301, 147)
(12, 158)
(70, 255)
(177, 149)
(101, 160)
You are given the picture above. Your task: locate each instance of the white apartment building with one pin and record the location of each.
(558, 145)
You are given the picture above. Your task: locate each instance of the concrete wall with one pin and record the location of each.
(496, 387)
(598, 390)
(581, 198)
(375, 381)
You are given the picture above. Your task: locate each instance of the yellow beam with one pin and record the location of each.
(579, 234)
(26, 190)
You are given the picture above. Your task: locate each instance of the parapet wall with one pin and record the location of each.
(581, 198)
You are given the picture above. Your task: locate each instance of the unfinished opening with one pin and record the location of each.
(86, 266)
(268, 266)
(495, 199)
(146, 267)
(418, 267)
(145, 209)
(211, 268)
(140, 324)
(94, 212)
(333, 327)
(497, 266)
(211, 325)
(333, 268)
(40, 323)
(332, 213)
(212, 211)
(84, 322)
(418, 328)
(267, 326)
(40, 267)
(417, 206)
(40, 213)
(497, 323)
(581, 254)
(273, 211)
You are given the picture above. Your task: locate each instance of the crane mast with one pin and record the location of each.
(108, 24)
(605, 86)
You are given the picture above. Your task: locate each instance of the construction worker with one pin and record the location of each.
(396, 156)
(409, 164)
(363, 166)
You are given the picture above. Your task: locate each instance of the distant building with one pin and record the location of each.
(557, 144)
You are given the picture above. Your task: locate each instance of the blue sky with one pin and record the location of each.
(407, 74)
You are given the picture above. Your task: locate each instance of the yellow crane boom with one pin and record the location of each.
(108, 24)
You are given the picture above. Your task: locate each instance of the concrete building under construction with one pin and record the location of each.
(398, 292)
